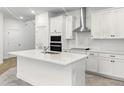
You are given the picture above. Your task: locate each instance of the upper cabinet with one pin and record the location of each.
(108, 24)
(69, 27)
(56, 25)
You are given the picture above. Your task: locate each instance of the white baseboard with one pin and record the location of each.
(9, 56)
(1, 61)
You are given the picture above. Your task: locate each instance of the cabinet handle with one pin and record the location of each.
(112, 61)
(91, 54)
(112, 56)
(112, 35)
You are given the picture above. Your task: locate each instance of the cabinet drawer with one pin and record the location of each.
(104, 55)
(112, 56)
(120, 56)
(92, 54)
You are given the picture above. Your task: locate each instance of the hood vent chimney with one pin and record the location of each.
(82, 27)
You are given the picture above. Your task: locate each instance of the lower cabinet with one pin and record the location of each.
(111, 67)
(118, 68)
(107, 64)
(92, 62)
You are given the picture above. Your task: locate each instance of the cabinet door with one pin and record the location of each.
(92, 62)
(58, 23)
(105, 66)
(118, 68)
(108, 26)
(120, 22)
(42, 19)
(52, 25)
(69, 27)
(41, 37)
(95, 25)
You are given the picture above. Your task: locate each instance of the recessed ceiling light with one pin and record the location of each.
(32, 11)
(21, 17)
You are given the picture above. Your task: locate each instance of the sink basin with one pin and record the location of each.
(49, 52)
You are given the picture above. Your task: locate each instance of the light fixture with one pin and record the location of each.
(21, 17)
(32, 11)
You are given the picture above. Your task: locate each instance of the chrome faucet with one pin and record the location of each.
(45, 48)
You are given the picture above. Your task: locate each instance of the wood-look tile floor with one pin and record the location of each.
(8, 74)
(7, 64)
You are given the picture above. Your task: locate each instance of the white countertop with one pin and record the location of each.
(63, 58)
(107, 51)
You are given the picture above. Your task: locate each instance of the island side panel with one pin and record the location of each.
(39, 73)
(78, 72)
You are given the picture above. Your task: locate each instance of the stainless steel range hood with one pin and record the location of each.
(82, 27)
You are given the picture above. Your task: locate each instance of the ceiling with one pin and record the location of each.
(25, 12)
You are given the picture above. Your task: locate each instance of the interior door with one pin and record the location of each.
(15, 42)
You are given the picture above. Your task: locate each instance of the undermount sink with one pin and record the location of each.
(49, 52)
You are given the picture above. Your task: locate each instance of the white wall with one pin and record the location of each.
(1, 38)
(18, 35)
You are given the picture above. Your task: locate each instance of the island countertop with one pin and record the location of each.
(63, 58)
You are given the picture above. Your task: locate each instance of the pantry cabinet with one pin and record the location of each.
(42, 20)
(108, 24)
(42, 30)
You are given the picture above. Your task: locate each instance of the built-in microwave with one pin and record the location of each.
(55, 38)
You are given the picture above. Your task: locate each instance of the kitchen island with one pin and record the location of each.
(38, 68)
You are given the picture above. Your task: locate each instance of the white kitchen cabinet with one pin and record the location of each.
(96, 25)
(56, 24)
(111, 64)
(42, 30)
(42, 20)
(118, 68)
(105, 66)
(108, 24)
(92, 62)
(119, 23)
(41, 37)
(69, 27)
